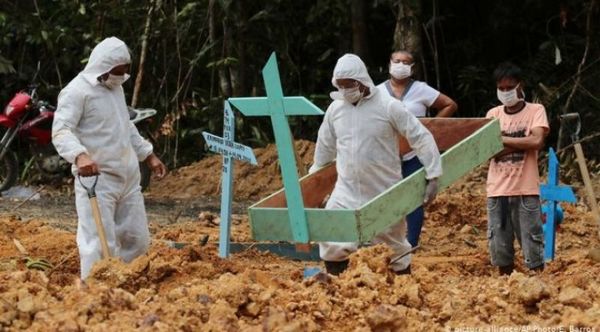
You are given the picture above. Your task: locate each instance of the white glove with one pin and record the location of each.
(430, 191)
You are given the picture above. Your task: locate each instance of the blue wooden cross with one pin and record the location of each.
(278, 108)
(230, 150)
(552, 193)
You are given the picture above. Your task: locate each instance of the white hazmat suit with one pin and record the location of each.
(363, 140)
(92, 118)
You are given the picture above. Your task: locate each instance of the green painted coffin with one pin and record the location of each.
(465, 143)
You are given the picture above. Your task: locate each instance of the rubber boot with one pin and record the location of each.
(405, 271)
(335, 268)
(506, 270)
(538, 269)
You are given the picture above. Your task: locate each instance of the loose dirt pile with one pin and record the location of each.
(203, 178)
(191, 289)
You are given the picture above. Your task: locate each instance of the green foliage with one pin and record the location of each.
(188, 73)
(6, 66)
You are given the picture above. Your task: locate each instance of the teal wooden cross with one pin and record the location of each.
(552, 193)
(230, 150)
(276, 106)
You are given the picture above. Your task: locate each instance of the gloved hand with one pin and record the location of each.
(86, 166)
(430, 191)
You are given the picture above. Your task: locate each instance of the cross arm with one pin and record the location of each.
(557, 193)
(230, 149)
(259, 106)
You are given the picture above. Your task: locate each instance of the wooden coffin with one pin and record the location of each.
(464, 143)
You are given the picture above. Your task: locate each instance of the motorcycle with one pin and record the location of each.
(28, 120)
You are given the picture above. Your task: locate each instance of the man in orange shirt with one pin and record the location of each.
(513, 183)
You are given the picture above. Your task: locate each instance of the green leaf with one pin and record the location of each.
(6, 66)
(187, 10)
(259, 16)
(325, 55)
(222, 62)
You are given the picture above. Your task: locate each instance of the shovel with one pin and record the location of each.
(91, 192)
(404, 254)
(574, 118)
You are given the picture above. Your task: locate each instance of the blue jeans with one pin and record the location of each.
(414, 220)
(511, 217)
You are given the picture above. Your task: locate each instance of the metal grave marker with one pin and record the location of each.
(552, 193)
(278, 107)
(230, 150)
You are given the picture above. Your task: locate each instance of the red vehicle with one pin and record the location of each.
(26, 132)
(26, 128)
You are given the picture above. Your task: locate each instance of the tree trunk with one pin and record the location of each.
(588, 39)
(360, 44)
(212, 30)
(239, 74)
(407, 34)
(230, 69)
(140, 73)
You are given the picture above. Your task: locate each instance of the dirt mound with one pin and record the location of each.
(452, 284)
(203, 178)
(41, 242)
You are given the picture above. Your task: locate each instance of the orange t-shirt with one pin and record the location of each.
(516, 173)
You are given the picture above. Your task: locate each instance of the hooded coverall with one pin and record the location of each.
(363, 140)
(93, 119)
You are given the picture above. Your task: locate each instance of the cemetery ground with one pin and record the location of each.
(452, 284)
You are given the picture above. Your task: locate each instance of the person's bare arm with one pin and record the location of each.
(535, 141)
(505, 151)
(445, 106)
(159, 170)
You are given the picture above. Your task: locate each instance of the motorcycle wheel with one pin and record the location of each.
(9, 170)
(145, 174)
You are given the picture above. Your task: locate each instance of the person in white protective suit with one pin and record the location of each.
(92, 131)
(360, 131)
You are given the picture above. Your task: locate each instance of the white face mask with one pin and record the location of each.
(113, 81)
(352, 95)
(508, 98)
(400, 70)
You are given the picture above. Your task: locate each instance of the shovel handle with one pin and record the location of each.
(91, 191)
(99, 226)
(585, 174)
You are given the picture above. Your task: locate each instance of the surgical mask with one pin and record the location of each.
(508, 98)
(400, 70)
(113, 81)
(352, 95)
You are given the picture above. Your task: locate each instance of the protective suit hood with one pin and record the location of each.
(362, 139)
(350, 66)
(109, 53)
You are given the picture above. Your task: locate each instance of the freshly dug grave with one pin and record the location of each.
(452, 283)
